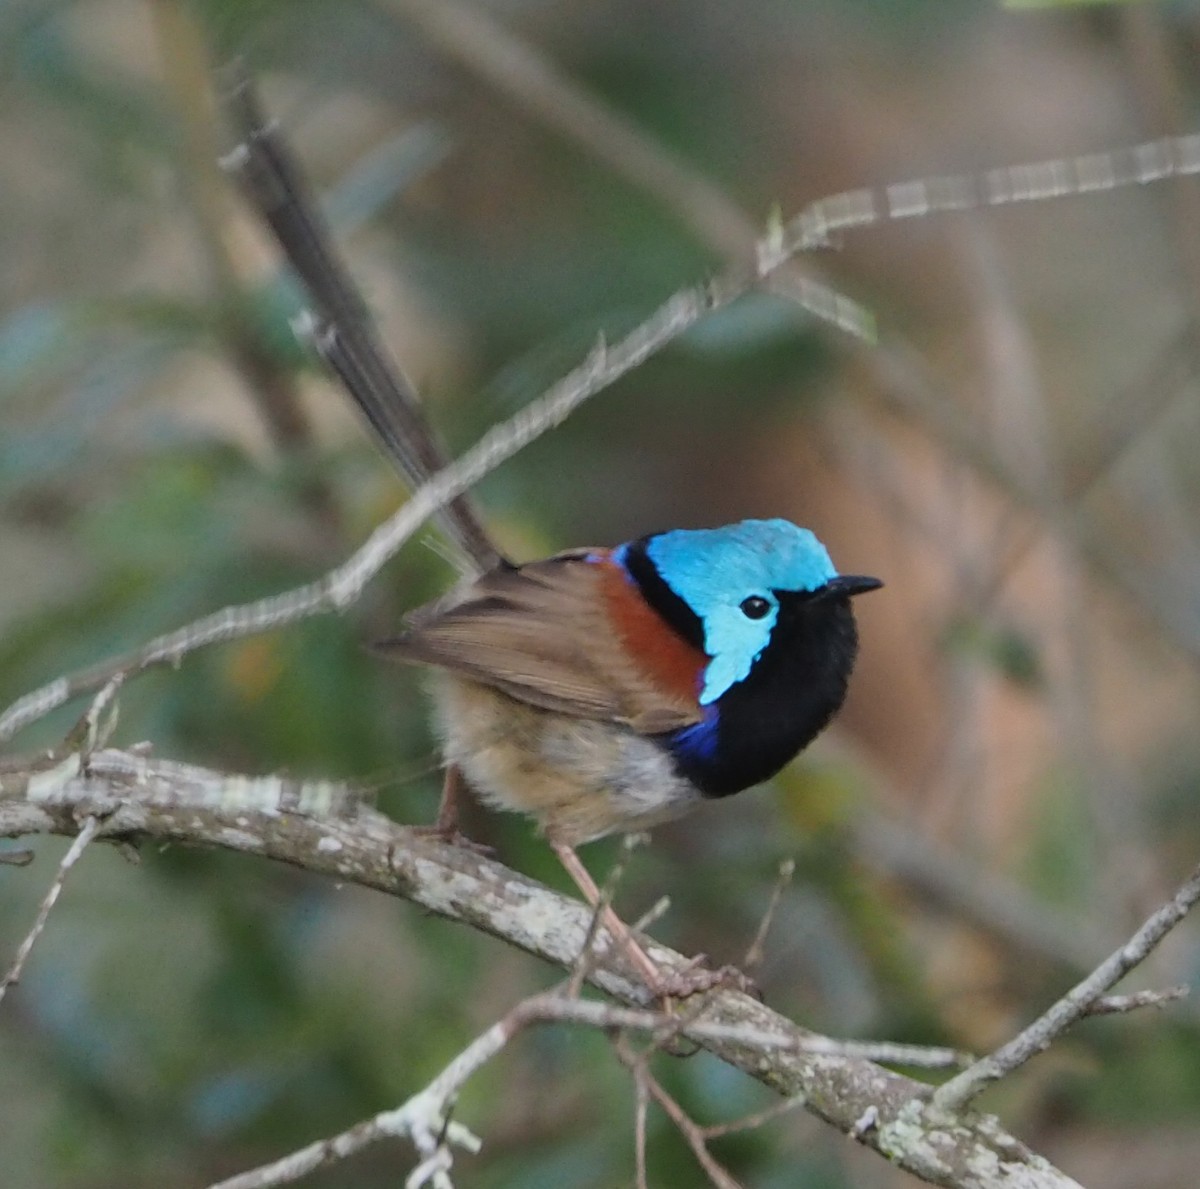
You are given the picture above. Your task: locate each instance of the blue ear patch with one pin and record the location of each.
(715, 570)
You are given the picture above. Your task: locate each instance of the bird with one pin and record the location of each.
(606, 690)
(610, 690)
(601, 690)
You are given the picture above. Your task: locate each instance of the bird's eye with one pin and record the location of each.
(755, 607)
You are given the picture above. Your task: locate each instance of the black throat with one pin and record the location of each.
(677, 615)
(786, 700)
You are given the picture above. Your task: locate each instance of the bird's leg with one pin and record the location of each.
(453, 787)
(445, 825)
(675, 984)
(613, 923)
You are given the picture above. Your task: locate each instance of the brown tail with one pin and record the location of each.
(343, 330)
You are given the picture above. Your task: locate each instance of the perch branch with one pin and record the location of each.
(134, 797)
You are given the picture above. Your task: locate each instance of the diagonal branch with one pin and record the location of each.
(87, 832)
(814, 226)
(1078, 1002)
(143, 798)
(342, 586)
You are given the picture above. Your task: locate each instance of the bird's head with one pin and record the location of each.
(729, 589)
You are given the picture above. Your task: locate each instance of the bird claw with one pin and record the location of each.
(695, 979)
(452, 836)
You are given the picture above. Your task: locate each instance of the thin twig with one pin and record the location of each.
(755, 951)
(951, 1097)
(691, 1131)
(654, 913)
(586, 960)
(80, 843)
(1108, 1005)
(751, 1122)
(93, 731)
(890, 1052)
(422, 1118)
(641, 1102)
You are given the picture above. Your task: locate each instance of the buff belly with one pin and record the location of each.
(578, 778)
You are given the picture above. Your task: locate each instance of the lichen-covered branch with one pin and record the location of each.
(134, 797)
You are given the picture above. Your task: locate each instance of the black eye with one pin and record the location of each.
(755, 607)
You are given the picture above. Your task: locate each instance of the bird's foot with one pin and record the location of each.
(695, 978)
(453, 836)
(445, 826)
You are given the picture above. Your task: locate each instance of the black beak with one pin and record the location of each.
(845, 585)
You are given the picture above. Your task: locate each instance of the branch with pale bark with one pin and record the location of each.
(133, 797)
(112, 795)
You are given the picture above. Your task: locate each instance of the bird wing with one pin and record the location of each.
(540, 632)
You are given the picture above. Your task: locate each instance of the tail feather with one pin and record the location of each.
(343, 330)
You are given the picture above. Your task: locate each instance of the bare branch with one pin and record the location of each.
(695, 1136)
(751, 1122)
(950, 1098)
(754, 954)
(890, 1052)
(425, 1115)
(693, 1133)
(87, 832)
(140, 797)
(423, 1119)
(1108, 1005)
(96, 727)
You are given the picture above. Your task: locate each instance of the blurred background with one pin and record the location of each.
(1013, 783)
